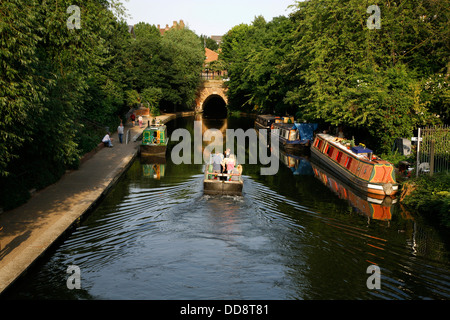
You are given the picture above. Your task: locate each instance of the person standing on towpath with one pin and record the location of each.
(120, 131)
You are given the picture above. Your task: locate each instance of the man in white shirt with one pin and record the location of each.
(107, 140)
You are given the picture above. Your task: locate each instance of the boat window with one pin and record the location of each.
(339, 157)
(319, 144)
(348, 162)
(293, 135)
(330, 151)
(316, 143)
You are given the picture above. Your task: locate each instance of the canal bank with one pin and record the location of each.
(31, 229)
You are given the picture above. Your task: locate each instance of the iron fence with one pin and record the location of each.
(433, 149)
(214, 75)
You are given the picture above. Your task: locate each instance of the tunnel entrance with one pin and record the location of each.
(215, 107)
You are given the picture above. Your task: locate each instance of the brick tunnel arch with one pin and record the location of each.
(215, 107)
(212, 93)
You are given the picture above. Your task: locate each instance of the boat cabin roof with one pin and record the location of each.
(286, 126)
(267, 116)
(156, 128)
(335, 141)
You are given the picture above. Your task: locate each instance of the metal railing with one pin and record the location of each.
(228, 176)
(214, 75)
(433, 149)
(127, 138)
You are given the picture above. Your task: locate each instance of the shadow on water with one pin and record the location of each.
(299, 234)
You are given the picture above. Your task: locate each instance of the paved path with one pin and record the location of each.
(30, 229)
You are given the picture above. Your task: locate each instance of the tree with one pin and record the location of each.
(182, 57)
(269, 82)
(209, 43)
(54, 81)
(21, 89)
(370, 80)
(151, 97)
(254, 54)
(145, 64)
(236, 45)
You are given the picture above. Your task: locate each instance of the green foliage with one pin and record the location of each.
(61, 88)
(20, 87)
(395, 158)
(183, 57)
(209, 43)
(362, 78)
(324, 64)
(151, 96)
(132, 97)
(170, 63)
(431, 197)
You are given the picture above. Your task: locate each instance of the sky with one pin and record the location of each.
(205, 17)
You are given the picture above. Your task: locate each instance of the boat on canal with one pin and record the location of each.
(294, 137)
(265, 121)
(357, 166)
(219, 182)
(154, 141)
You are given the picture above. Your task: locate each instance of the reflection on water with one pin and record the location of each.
(289, 236)
(299, 165)
(372, 206)
(153, 166)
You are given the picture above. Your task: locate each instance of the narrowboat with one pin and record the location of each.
(264, 121)
(216, 183)
(357, 166)
(293, 137)
(154, 141)
(375, 207)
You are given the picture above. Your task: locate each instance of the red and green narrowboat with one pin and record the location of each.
(355, 165)
(154, 141)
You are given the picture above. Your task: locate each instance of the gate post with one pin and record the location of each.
(432, 158)
(417, 156)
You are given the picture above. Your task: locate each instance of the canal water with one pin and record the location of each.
(300, 234)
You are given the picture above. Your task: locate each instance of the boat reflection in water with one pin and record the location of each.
(373, 206)
(153, 167)
(299, 165)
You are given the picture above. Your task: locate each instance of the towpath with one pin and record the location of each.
(29, 230)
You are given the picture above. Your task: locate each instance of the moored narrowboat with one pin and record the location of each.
(293, 137)
(154, 141)
(264, 121)
(357, 165)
